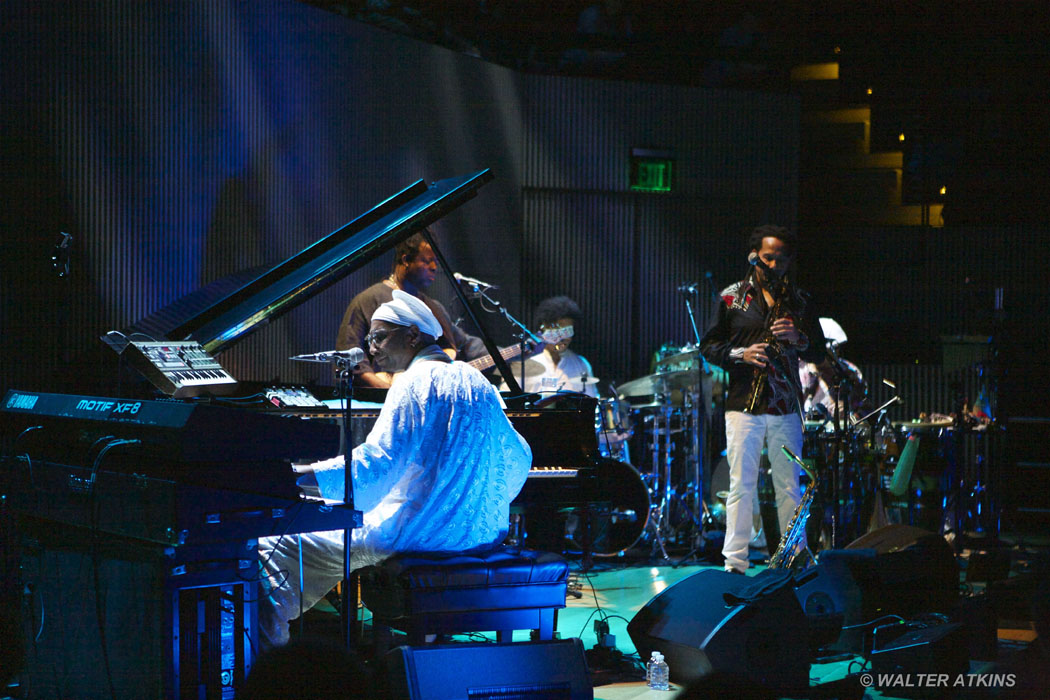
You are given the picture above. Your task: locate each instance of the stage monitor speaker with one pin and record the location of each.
(891, 538)
(940, 651)
(12, 643)
(699, 633)
(555, 669)
(914, 571)
(895, 570)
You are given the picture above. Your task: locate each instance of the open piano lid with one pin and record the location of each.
(237, 306)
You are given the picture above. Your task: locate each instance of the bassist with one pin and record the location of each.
(414, 270)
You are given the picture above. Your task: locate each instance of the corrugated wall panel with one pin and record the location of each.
(579, 134)
(181, 143)
(580, 245)
(684, 241)
(924, 389)
(737, 160)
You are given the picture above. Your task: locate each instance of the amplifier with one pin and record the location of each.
(940, 654)
(295, 397)
(551, 670)
(179, 368)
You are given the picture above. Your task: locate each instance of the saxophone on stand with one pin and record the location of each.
(790, 547)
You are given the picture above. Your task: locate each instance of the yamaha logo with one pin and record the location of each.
(22, 401)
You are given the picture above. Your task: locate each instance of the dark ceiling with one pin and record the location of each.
(968, 78)
(905, 45)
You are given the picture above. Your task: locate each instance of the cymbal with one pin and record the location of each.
(922, 425)
(536, 369)
(687, 356)
(658, 383)
(646, 406)
(329, 356)
(532, 368)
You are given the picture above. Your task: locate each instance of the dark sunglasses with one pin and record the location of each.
(377, 337)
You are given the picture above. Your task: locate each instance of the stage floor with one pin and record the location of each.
(615, 589)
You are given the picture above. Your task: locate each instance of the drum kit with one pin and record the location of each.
(652, 436)
(655, 438)
(931, 472)
(662, 418)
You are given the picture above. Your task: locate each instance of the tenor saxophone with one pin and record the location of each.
(788, 549)
(774, 350)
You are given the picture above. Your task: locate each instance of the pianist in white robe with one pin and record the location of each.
(437, 473)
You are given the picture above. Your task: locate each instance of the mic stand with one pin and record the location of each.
(346, 391)
(524, 333)
(880, 409)
(513, 321)
(837, 468)
(847, 460)
(692, 319)
(698, 415)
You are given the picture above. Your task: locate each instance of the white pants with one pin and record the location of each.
(745, 436)
(322, 555)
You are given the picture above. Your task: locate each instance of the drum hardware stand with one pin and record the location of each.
(845, 469)
(658, 540)
(838, 469)
(699, 515)
(983, 509)
(984, 503)
(693, 500)
(661, 473)
(667, 500)
(881, 413)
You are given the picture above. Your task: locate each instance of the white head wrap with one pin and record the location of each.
(407, 310)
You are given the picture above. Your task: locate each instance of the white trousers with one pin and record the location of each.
(322, 555)
(745, 436)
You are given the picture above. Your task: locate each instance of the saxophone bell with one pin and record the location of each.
(792, 542)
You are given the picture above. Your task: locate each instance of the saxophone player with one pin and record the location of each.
(764, 325)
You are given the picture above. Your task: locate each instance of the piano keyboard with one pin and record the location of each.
(552, 472)
(179, 368)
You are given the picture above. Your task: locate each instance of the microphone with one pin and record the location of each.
(463, 279)
(353, 356)
(755, 261)
(688, 288)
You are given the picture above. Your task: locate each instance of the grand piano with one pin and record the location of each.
(171, 471)
(175, 353)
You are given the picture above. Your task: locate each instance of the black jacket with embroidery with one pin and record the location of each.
(742, 321)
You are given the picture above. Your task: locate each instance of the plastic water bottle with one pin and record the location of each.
(659, 672)
(649, 666)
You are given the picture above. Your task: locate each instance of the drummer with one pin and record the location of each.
(821, 382)
(557, 369)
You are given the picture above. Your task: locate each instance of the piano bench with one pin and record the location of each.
(507, 589)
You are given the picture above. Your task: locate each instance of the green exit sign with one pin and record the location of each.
(651, 171)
